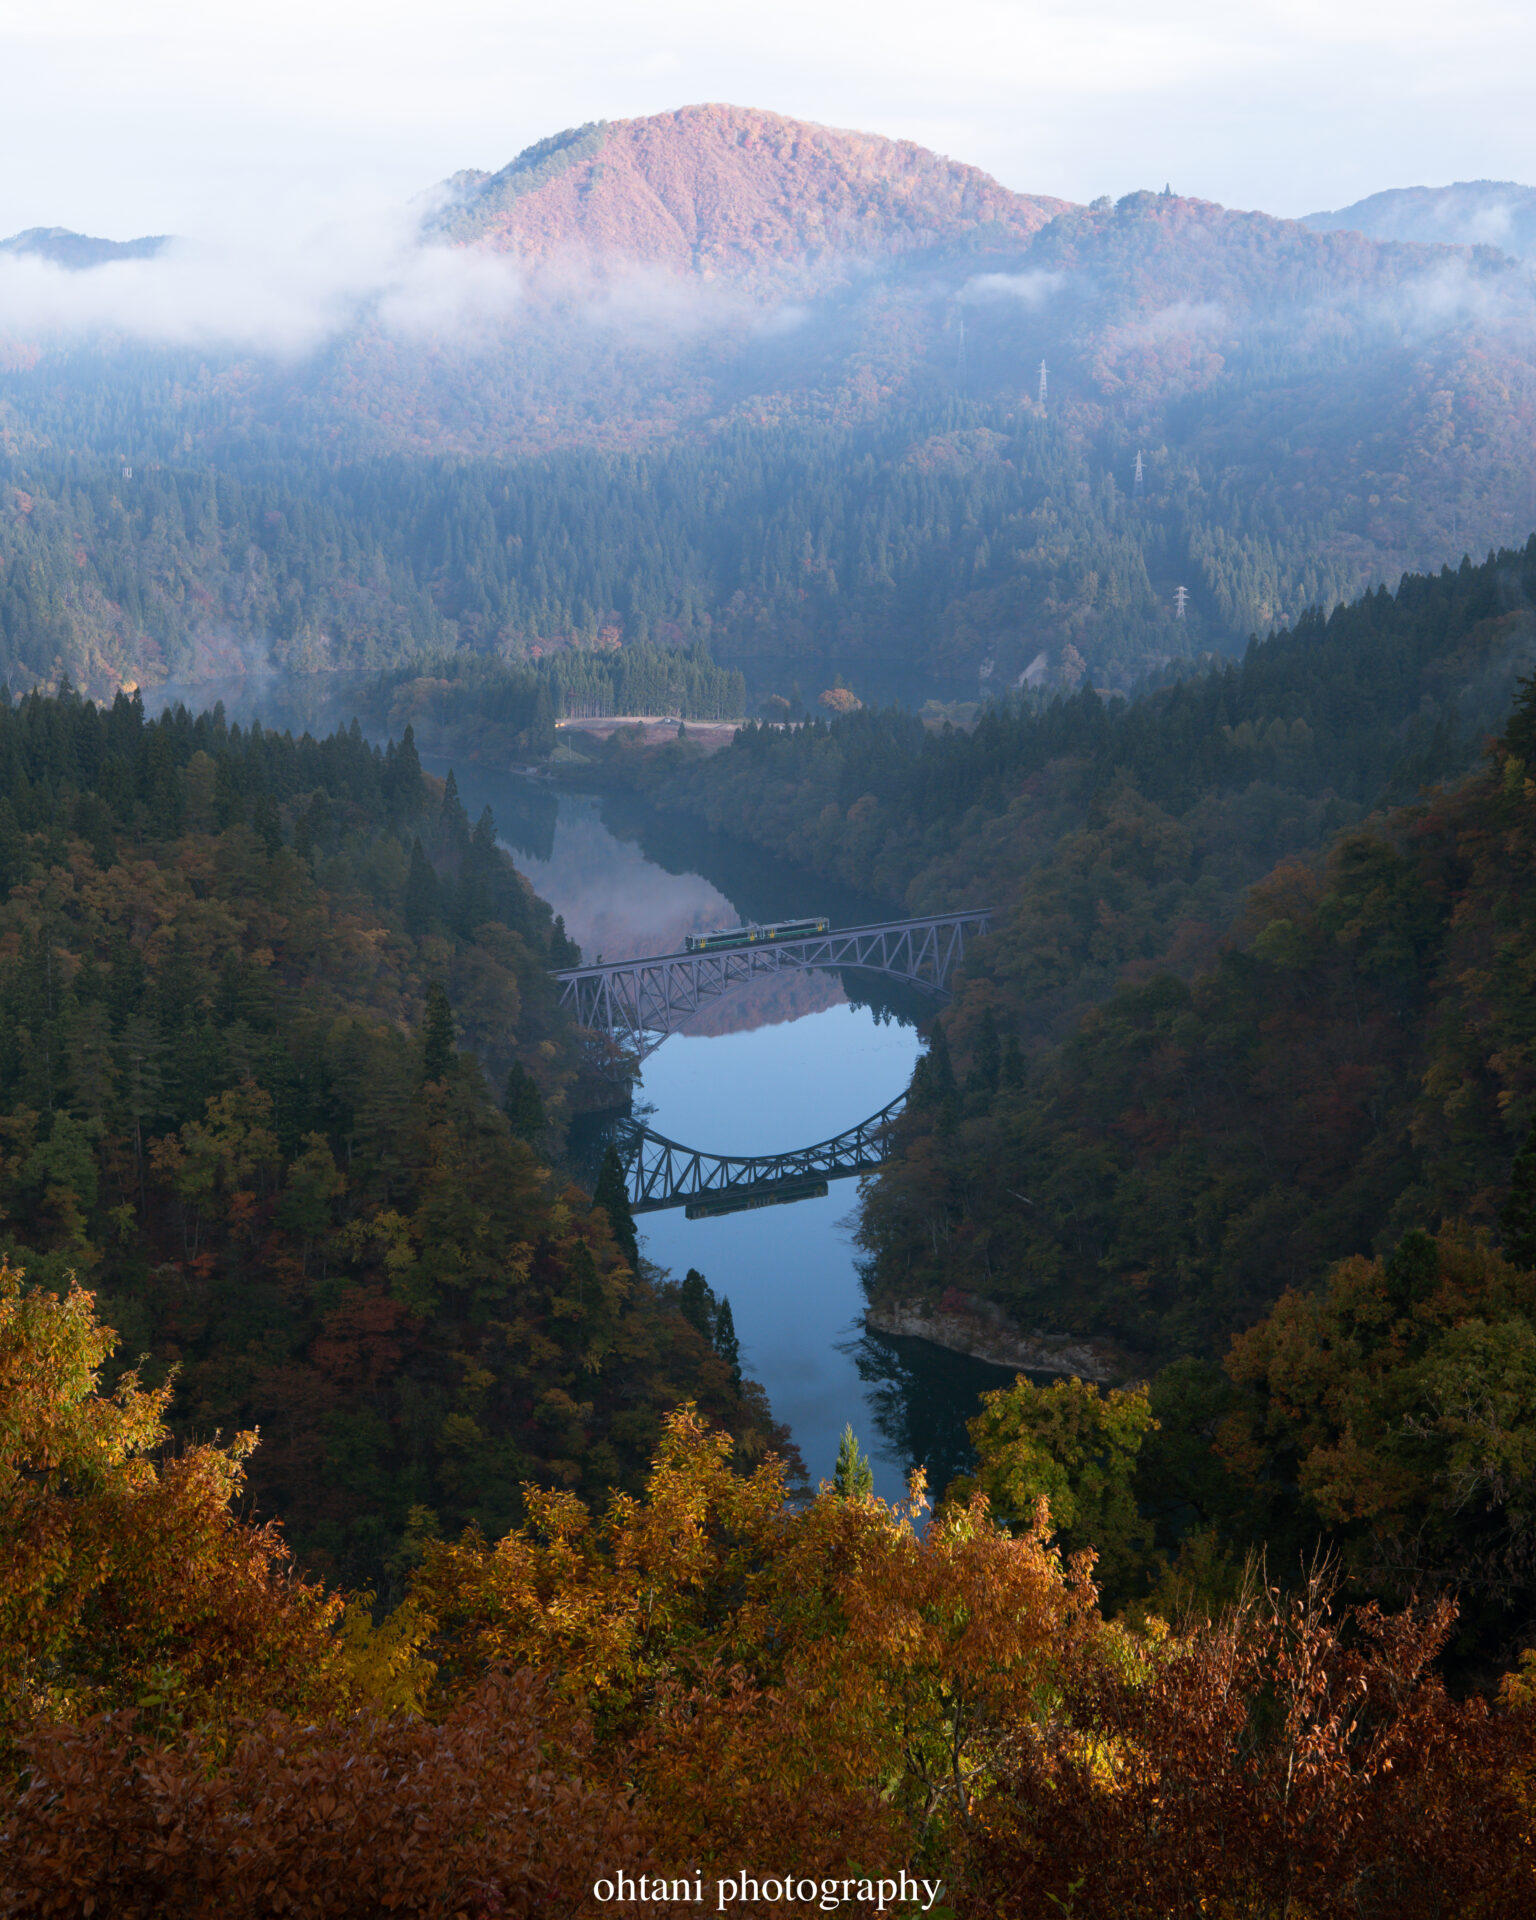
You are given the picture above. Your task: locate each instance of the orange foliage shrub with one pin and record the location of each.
(1280, 1763)
(817, 1685)
(127, 1580)
(705, 1680)
(348, 1819)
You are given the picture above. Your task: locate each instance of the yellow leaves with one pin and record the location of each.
(229, 1149)
(386, 1235)
(130, 1582)
(379, 1664)
(51, 1416)
(834, 1646)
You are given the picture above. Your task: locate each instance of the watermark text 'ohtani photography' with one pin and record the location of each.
(733, 1890)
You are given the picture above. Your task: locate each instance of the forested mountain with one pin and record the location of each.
(721, 376)
(281, 1075)
(1227, 1120)
(1470, 213)
(1120, 835)
(718, 190)
(1242, 1085)
(234, 968)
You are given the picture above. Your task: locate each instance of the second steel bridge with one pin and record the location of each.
(662, 1173)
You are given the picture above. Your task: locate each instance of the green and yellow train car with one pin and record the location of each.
(728, 937)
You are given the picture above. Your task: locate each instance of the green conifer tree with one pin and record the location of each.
(455, 819)
(933, 1078)
(726, 1344)
(422, 895)
(563, 950)
(407, 792)
(267, 824)
(523, 1105)
(696, 1303)
(854, 1477)
(1012, 1072)
(437, 1037)
(986, 1057)
(612, 1196)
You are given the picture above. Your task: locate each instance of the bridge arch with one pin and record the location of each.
(663, 1173)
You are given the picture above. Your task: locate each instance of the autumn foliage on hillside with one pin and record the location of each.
(705, 1677)
(734, 191)
(1355, 1061)
(281, 1076)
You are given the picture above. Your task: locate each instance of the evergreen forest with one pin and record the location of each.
(284, 1082)
(958, 547)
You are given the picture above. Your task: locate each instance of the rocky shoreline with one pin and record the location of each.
(966, 1324)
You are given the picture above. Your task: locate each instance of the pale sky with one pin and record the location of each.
(133, 116)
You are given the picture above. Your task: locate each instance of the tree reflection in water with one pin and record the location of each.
(921, 1397)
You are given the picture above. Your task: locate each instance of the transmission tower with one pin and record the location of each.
(1137, 483)
(1042, 386)
(1180, 602)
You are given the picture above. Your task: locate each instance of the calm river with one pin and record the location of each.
(784, 1063)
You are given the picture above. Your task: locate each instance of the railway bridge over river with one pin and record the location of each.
(640, 1002)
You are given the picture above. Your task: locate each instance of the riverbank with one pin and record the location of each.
(965, 1323)
(651, 730)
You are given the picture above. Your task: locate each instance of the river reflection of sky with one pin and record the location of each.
(630, 881)
(616, 903)
(788, 1270)
(796, 1071)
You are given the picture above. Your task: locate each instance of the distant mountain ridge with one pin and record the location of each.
(733, 191)
(1469, 213)
(77, 251)
(823, 400)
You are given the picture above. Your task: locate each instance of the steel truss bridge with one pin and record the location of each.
(640, 1002)
(660, 1173)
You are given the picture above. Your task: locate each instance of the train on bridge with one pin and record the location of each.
(751, 936)
(641, 1001)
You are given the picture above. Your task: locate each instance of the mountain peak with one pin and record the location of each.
(730, 191)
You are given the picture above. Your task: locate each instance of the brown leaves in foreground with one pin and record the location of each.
(347, 1819)
(1271, 1766)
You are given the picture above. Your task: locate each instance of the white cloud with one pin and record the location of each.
(262, 294)
(1180, 320)
(259, 294)
(1453, 294)
(1030, 290)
